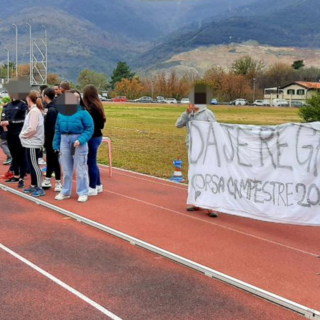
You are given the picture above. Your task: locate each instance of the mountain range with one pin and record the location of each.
(148, 33)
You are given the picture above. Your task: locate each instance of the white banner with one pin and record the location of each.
(269, 173)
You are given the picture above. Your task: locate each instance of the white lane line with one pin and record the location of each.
(215, 224)
(291, 305)
(105, 167)
(61, 283)
(136, 175)
(192, 217)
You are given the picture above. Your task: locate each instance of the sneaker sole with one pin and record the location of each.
(63, 198)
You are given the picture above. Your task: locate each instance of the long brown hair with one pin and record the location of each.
(35, 98)
(92, 101)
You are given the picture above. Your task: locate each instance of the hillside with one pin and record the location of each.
(201, 59)
(99, 33)
(291, 23)
(76, 43)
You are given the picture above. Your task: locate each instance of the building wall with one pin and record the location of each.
(296, 92)
(304, 94)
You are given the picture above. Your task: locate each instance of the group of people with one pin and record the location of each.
(68, 126)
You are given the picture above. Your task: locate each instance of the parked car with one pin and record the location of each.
(102, 98)
(297, 103)
(239, 102)
(185, 101)
(214, 102)
(119, 99)
(144, 100)
(258, 103)
(160, 99)
(4, 94)
(280, 103)
(171, 100)
(266, 102)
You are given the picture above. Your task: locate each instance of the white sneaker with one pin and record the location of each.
(100, 188)
(58, 186)
(41, 161)
(83, 198)
(46, 183)
(60, 196)
(93, 192)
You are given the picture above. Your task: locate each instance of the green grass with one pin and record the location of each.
(145, 139)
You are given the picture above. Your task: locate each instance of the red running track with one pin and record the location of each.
(129, 282)
(278, 258)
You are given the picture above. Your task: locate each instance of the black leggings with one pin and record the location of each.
(18, 154)
(36, 175)
(53, 164)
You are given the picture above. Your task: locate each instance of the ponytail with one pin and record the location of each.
(34, 97)
(39, 104)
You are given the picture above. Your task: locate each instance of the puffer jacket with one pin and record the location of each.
(203, 114)
(79, 123)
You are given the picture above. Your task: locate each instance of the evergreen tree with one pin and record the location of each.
(122, 71)
(298, 64)
(311, 112)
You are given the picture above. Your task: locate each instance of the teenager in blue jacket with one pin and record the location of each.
(74, 128)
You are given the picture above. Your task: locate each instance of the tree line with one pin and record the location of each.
(247, 78)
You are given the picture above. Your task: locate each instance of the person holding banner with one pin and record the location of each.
(198, 112)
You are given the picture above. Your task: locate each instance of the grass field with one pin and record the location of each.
(145, 139)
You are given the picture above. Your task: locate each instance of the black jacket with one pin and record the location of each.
(49, 123)
(98, 123)
(15, 112)
(3, 134)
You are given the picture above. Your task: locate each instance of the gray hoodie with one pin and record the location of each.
(203, 114)
(32, 134)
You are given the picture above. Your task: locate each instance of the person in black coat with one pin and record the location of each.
(3, 134)
(12, 120)
(50, 119)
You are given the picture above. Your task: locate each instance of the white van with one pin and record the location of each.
(280, 103)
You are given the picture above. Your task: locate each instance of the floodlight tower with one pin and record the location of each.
(30, 44)
(8, 62)
(16, 27)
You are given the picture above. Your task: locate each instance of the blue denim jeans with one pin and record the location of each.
(94, 172)
(69, 162)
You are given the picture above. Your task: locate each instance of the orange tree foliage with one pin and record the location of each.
(132, 89)
(227, 85)
(168, 85)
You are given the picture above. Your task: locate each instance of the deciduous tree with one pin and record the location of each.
(132, 89)
(88, 76)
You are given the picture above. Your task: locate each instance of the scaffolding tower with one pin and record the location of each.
(39, 60)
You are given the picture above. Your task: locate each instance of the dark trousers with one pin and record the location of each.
(33, 155)
(18, 155)
(93, 169)
(53, 164)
